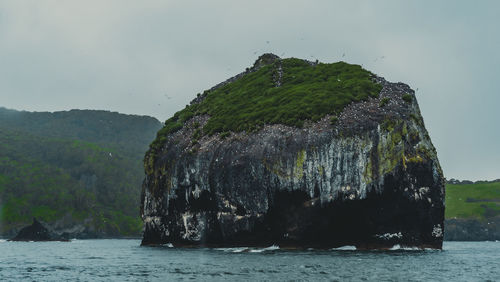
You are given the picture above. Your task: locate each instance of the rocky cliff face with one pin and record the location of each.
(367, 177)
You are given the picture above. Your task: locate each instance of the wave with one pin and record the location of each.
(271, 248)
(248, 249)
(393, 248)
(344, 248)
(400, 248)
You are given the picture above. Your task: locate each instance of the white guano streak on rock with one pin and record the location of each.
(388, 236)
(437, 231)
(194, 225)
(342, 161)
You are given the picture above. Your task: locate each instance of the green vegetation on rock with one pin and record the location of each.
(384, 101)
(282, 91)
(478, 200)
(407, 98)
(333, 120)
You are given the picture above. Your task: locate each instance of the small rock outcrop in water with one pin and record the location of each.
(351, 164)
(37, 232)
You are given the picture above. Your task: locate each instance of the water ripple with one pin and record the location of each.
(124, 260)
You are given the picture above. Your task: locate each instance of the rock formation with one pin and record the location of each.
(367, 176)
(37, 232)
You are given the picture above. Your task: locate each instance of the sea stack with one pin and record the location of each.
(297, 154)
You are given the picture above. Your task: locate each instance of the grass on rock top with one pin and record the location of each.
(307, 92)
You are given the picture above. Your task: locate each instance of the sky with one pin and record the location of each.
(153, 57)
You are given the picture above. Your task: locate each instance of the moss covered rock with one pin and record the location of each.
(298, 154)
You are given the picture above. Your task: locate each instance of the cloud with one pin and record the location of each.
(128, 56)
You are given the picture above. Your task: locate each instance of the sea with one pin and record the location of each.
(126, 260)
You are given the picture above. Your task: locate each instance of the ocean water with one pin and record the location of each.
(125, 260)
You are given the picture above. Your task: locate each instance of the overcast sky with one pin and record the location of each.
(152, 57)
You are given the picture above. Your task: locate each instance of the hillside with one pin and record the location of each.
(80, 171)
(473, 210)
(129, 132)
(480, 200)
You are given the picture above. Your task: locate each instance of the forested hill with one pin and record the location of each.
(78, 170)
(129, 132)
